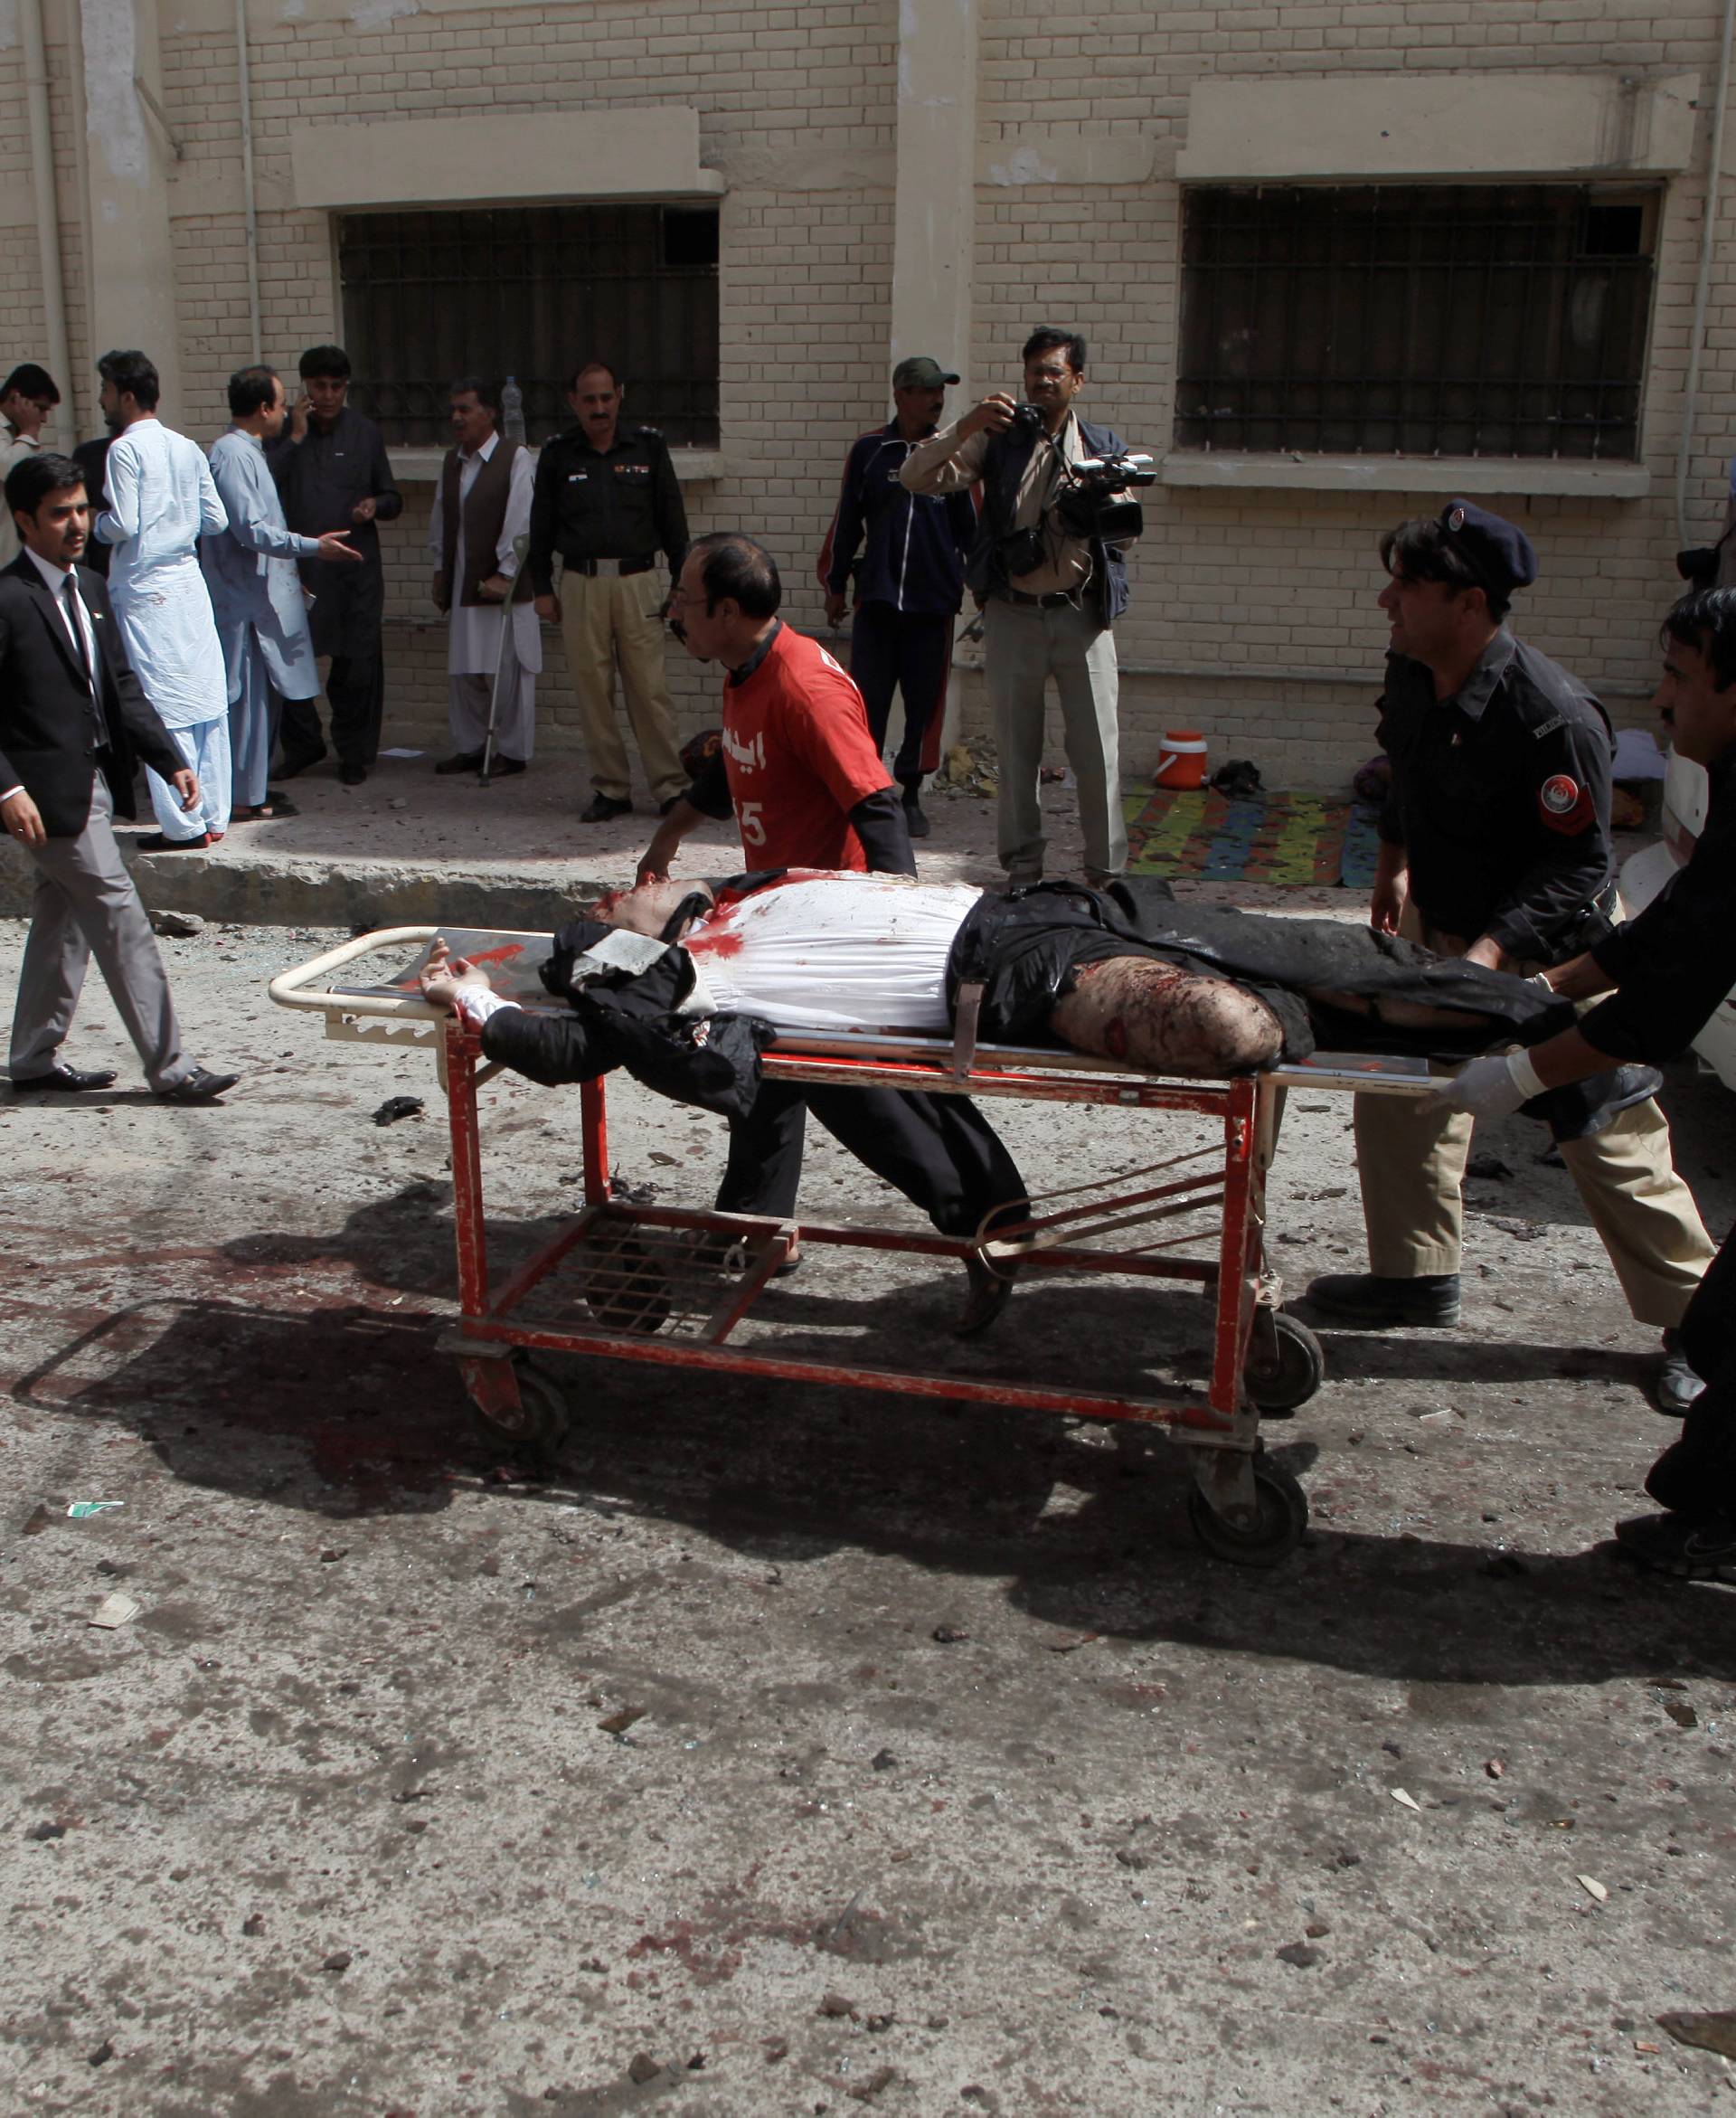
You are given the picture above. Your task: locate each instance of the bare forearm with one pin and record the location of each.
(1582, 978)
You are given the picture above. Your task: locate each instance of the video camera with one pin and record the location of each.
(1096, 500)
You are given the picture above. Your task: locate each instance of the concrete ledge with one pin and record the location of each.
(1530, 478)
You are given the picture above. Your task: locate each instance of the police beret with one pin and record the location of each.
(1496, 551)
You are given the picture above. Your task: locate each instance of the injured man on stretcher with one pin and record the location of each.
(685, 984)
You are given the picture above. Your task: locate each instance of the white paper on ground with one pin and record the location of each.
(403, 753)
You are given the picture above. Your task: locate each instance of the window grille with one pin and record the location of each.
(529, 291)
(1417, 320)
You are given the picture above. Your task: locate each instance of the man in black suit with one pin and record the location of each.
(66, 692)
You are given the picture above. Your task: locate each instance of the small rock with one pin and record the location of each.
(1681, 1713)
(1490, 1169)
(1300, 1954)
(339, 1960)
(42, 1833)
(398, 801)
(1495, 1769)
(884, 1761)
(619, 1724)
(948, 1634)
(397, 1107)
(835, 2004)
(330, 1557)
(642, 2067)
(253, 1925)
(1316, 1929)
(177, 925)
(102, 2055)
(866, 2091)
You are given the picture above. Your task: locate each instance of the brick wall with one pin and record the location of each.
(1253, 612)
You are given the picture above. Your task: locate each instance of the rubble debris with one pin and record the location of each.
(1407, 1801)
(619, 1724)
(177, 926)
(1299, 1953)
(116, 1609)
(397, 1107)
(642, 2067)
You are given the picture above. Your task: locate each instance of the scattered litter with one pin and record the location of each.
(115, 1608)
(884, 1761)
(81, 1510)
(401, 754)
(1640, 2045)
(1239, 779)
(397, 1107)
(835, 2005)
(37, 1523)
(1709, 2033)
(1593, 1889)
(1680, 1712)
(1069, 1647)
(1495, 1769)
(619, 1724)
(1300, 1954)
(102, 2055)
(1410, 1801)
(177, 926)
(1316, 1928)
(642, 2067)
(968, 769)
(42, 1833)
(1434, 1419)
(948, 1634)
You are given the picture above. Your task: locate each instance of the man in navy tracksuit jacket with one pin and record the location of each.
(909, 583)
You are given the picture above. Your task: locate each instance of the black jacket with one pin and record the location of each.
(48, 736)
(1003, 468)
(625, 505)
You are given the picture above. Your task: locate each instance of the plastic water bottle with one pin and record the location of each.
(512, 411)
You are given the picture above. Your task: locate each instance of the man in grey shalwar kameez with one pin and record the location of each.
(256, 592)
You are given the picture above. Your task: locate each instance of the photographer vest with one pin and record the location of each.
(484, 517)
(1003, 469)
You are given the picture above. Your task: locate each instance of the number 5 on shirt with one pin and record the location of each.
(747, 815)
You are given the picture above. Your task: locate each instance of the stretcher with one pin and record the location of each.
(678, 1287)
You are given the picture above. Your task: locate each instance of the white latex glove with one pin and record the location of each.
(1491, 1088)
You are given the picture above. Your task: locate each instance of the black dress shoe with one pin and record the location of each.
(1673, 1544)
(198, 1087)
(461, 760)
(915, 822)
(1365, 1301)
(504, 768)
(298, 761)
(603, 808)
(991, 1289)
(351, 774)
(156, 842)
(63, 1081)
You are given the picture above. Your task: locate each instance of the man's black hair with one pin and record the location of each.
(1704, 619)
(1047, 337)
(585, 367)
(251, 390)
(29, 381)
(733, 565)
(1421, 550)
(33, 477)
(486, 392)
(325, 360)
(133, 375)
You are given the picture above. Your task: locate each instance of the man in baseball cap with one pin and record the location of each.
(910, 581)
(1496, 847)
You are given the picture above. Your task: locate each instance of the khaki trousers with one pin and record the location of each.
(611, 620)
(1411, 1163)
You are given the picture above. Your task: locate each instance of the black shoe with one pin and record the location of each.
(603, 809)
(915, 822)
(1670, 1543)
(352, 775)
(298, 761)
(1585, 1108)
(504, 768)
(63, 1081)
(1364, 1301)
(156, 842)
(991, 1289)
(198, 1087)
(461, 760)
(1676, 1386)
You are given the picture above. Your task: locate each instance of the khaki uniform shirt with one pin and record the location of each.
(14, 448)
(945, 464)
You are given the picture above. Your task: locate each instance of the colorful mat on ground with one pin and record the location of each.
(1294, 839)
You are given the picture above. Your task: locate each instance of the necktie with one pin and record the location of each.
(75, 618)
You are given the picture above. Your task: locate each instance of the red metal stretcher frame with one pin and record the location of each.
(1252, 1511)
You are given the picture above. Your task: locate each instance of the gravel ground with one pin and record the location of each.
(795, 1751)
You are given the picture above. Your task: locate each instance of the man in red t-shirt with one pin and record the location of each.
(804, 778)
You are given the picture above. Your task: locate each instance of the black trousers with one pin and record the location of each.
(357, 686)
(900, 650)
(1696, 1476)
(940, 1151)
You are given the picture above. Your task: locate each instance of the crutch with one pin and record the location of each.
(521, 544)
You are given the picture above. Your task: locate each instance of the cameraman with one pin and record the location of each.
(1049, 594)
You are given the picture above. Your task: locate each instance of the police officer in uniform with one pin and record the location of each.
(608, 501)
(1670, 968)
(1496, 847)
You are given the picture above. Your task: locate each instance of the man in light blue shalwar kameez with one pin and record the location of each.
(161, 502)
(256, 590)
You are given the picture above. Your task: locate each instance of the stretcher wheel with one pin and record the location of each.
(1285, 1365)
(542, 1418)
(1274, 1534)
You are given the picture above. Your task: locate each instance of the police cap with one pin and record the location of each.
(1498, 552)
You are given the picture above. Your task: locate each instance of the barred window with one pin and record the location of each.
(1415, 320)
(529, 291)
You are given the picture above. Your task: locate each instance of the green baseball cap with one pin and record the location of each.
(921, 372)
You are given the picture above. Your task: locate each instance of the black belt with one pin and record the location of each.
(611, 566)
(1037, 603)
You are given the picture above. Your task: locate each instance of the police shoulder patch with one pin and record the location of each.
(1549, 726)
(1564, 804)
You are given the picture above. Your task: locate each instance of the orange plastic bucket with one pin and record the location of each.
(1181, 759)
